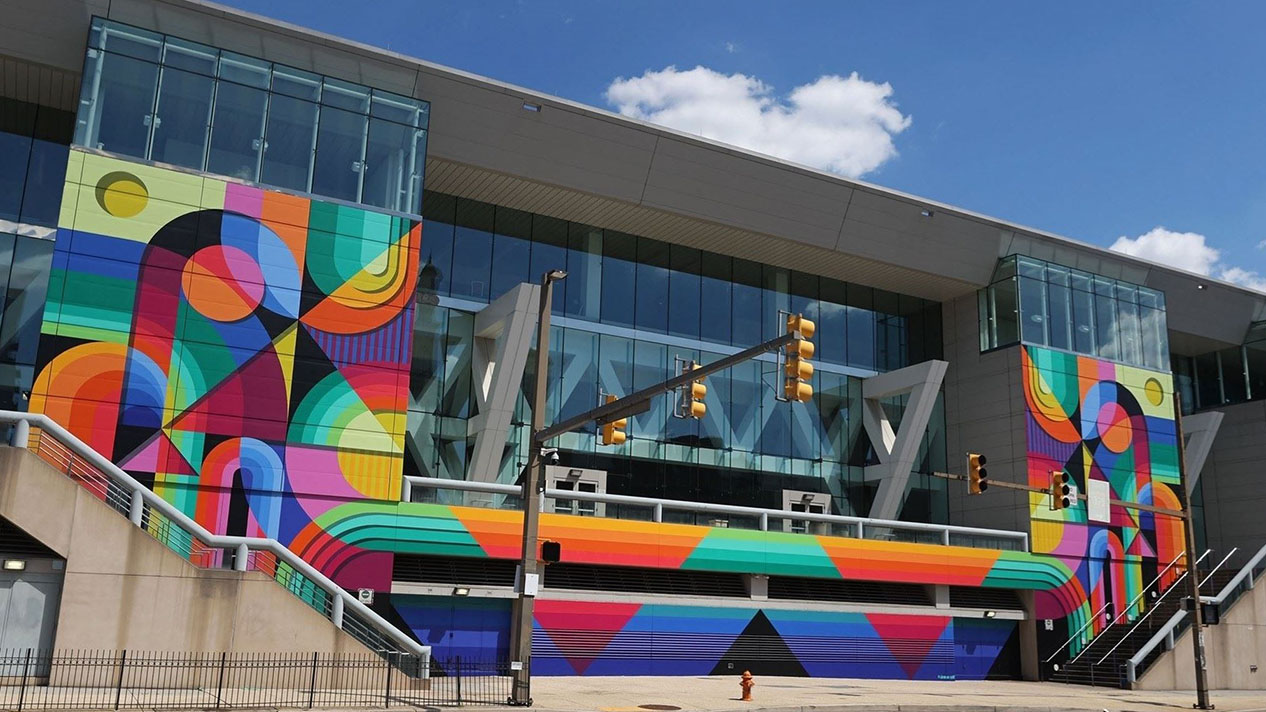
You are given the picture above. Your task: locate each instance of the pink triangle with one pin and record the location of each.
(581, 631)
(908, 638)
(145, 457)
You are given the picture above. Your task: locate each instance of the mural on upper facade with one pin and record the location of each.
(1098, 420)
(244, 350)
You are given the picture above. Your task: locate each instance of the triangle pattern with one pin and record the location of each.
(158, 454)
(284, 345)
(561, 620)
(908, 638)
(760, 649)
(257, 389)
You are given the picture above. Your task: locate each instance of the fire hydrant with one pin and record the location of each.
(747, 683)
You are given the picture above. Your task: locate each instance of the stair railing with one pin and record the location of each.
(141, 505)
(1247, 577)
(1099, 612)
(1147, 615)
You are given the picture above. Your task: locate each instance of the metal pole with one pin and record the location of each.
(26, 668)
(386, 700)
(1193, 576)
(118, 684)
(219, 685)
(312, 686)
(459, 680)
(533, 483)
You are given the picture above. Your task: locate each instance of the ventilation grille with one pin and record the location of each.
(14, 541)
(453, 570)
(994, 598)
(627, 579)
(808, 589)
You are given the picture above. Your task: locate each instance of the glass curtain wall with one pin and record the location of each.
(169, 100)
(1034, 302)
(1232, 375)
(630, 307)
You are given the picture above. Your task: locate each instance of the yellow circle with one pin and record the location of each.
(1155, 394)
(122, 195)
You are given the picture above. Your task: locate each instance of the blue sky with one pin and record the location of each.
(1093, 120)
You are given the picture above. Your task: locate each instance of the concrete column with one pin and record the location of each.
(940, 595)
(757, 586)
(1029, 663)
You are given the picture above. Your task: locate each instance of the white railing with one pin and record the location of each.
(857, 527)
(175, 529)
(1168, 632)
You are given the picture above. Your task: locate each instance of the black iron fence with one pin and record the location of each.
(127, 679)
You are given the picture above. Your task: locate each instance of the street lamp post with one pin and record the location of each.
(533, 483)
(1193, 574)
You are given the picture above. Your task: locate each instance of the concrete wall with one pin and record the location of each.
(1233, 482)
(984, 413)
(1233, 648)
(125, 590)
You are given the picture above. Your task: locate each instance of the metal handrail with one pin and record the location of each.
(141, 495)
(1099, 612)
(1166, 631)
(1147, 615)
(659, 505)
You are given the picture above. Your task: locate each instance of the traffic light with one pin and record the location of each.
(551, 551)
(798, 368)
(695, 407)
(977, 475)
(613, 432)
(1061, 491)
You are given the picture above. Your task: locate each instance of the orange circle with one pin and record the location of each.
(222, 283)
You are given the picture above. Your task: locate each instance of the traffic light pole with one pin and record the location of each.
(533, 483)
(1193, 575)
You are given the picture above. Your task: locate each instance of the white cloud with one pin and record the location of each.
(731, 47)
(1188, 251)
(1261, 245)
(844, 125)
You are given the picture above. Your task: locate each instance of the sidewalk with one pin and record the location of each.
(796, 694)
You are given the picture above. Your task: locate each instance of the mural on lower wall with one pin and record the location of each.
(606, 638)
(246, 351)
(1098, 420)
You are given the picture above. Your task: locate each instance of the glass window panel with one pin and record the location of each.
(511, 251)
(744, 406)
(651, 365)
(775, 436)
(1083, 321)
(1130, 333)
(804, 296)
(652, 285)
(345, 95)
(472, 250)
(182, 118)
(296, 83)
(585, 268)
(436, 256)
(746, 311)
(579, 375)
(1005, 308)
(1060, 321)
(862, 351)
(1031, 268)
(426, 374)
(45, 180)
(683, 292)
(24, 300)
(890, 329)
(245, 70)
(549, 252)
(714, 298)
(131, 41)
(1127, 293)
(455, 400)
(619, 275)
(189, 56)
(289, 143)
(340, 154)
(1155, 348)
(17, 151)
(119, 96)
(395, 107)
(1032, 311)
(237, 131)
(1255, 355)
(1208, 381)
(1234, 379)
(393, 166)
(1106, 330)
(713, 430)
(775, 298)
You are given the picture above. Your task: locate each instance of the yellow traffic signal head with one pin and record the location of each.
(977, 475)
(613, 432)
(799, 368)
(698, 409)
(698, 391)
(797, 324)
(800, 349)
(798, 390)
(1061, 490)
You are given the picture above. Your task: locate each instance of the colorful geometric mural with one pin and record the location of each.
(610, 638)
(244, 351)
(1097, 420)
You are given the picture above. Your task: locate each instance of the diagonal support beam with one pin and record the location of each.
(503, 338)
(1200, 430)
(897, 449)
